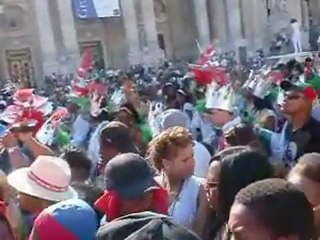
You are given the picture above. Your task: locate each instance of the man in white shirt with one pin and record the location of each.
(296, 36)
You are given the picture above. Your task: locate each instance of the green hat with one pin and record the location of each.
(315, 82)
(308, 90)
(201, 105)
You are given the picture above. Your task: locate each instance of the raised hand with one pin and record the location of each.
(95, 104)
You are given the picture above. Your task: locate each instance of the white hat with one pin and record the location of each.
(223, 99)
(47, 178)
(172, 118)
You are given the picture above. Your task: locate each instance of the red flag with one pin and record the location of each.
(80, 91)
(98, 88)
(206, 74)
(206, 55)
(86, 62)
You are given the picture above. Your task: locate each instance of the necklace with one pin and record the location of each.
(175, 200)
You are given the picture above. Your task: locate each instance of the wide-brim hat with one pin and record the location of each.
(22, 183)
(47, 178)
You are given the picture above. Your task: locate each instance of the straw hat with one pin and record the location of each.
(47, 178)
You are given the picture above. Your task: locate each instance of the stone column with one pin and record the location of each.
(256, 23)
(69, 60)
(218, 23)
(202, 21)
(234, 21)
(132, 34)
(152, 53)
(46, 38)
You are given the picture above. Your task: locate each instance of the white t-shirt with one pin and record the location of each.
(202, 159)
(295, 30)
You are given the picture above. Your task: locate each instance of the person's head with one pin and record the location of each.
(240, 135)
(298, 98)
(79, 163)
(115, 138)
(271, 209)
(169, 91)
(46, 181)
(219, 117)
(65, 220)
(181, 97)
(212, 183)
(261, 104)
(305, 175)
(173, 118)
(236, 172)
(293, 20)
(128, 115)
(308, 62)
(171, 152)
(73, 107)
(297, 70)
(130, 188)
(213, 175)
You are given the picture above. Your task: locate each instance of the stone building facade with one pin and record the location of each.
(39, 37)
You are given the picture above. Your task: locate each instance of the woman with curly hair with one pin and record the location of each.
(171, 154)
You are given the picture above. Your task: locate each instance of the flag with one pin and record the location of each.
(98, 88)
(85, 64)
(46, 133)
(206, 74)
(206, 55)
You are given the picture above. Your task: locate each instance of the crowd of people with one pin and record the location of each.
(165, 154)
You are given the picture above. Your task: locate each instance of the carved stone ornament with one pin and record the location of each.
(160, 10)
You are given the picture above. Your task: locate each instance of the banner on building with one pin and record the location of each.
(89, 9)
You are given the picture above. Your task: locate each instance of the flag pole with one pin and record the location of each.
(198, 45)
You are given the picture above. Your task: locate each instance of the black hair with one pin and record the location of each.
(280, 206)
(77, 158)
(260, 104)
(290, 64)
(237, 171)
(308, 59)
(228, 151)
(132, 110)
(299, 67)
